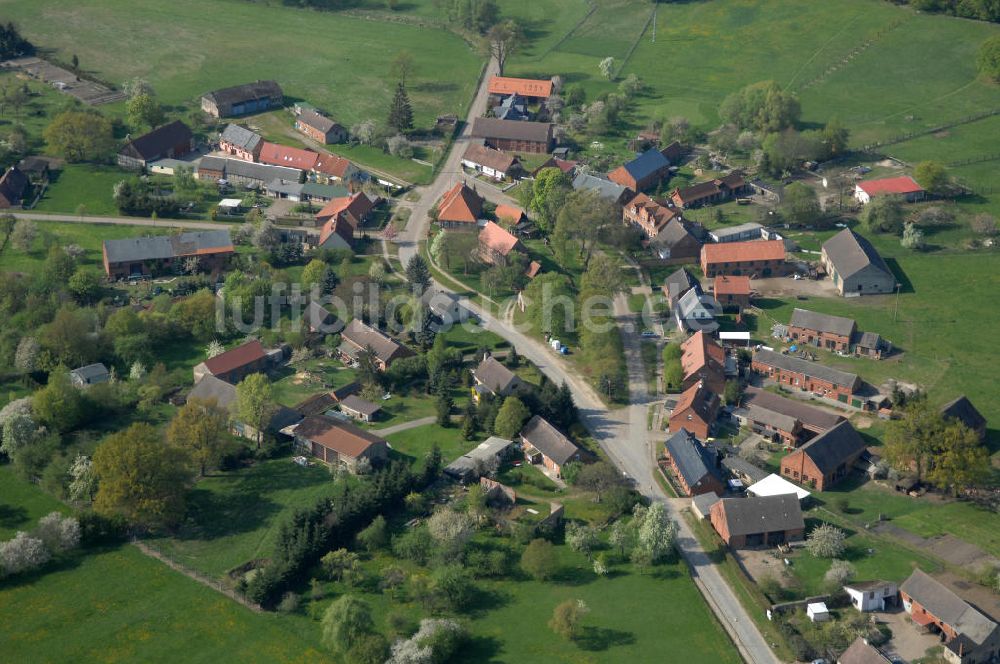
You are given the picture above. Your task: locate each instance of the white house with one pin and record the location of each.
(817, 612)
(903, 186)
(872, 595)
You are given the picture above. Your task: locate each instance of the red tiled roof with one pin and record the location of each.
(699, 352)
(701, 400)
(486, 156)
(533, 269)
(241, 356)
(460, 203)
(901, 185)
(282, 155)
(735, 252)
(331, 164)
(512, 212)
(497, 238)
(342, 216)
(526, 87)
(732, 285)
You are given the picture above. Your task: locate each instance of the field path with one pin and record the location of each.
(404, 426)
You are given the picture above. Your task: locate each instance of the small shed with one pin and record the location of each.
(359, 409)
(230, 205)
(701, 505)
(817, 612)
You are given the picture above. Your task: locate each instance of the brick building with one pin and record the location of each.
(788, 421)
(795, 373)
(821, 330)
(320, 128)
(695, 468)
(243, 99)
(767, 521)
(732, 292)
(696, 411)
(162, 254)
(544, 444)
(826, 459)
(764, 258)
(513, 135)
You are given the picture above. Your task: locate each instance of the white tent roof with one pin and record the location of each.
(775, 485)
(816, 607)
(230, 202)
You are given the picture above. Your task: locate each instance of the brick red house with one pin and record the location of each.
(460, 207)
(649, 215)
(969, 636)
(821, 330)
(143, 256)
(767, 521)
(703, 360)
(696, 410)
(826, 459)
(764, 258)
(240, 142)
(789, 421)
(806, 376)
(544, 444)
(713, 191)
(340, 218)
(496, 244)
(732, 291)
(534, 90)
(514, 135)
(645, 171)
(274, 154)
(695, 468)
(320, 128)
(235, 364)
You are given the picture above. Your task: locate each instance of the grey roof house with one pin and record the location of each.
(694, 465)
(486, 456)
(854, 265)
(605, 188)
(89, 375)
(962, 410)
(492, 377)
(242, 99)
(544, 443)
(224, 394)
(695, 311)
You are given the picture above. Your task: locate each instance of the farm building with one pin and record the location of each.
(696, 311)
(789, 421)
(677, 284)
(807, 376)
(334, 169)
(969, 636)
(340, 218)
(854, 265)
(695, 467)
(13, 184)
(826, 459)
(239, 172)
(460, 207)
(821, 330)
(486, 456)
(514, 136)
(235, 364)
(513, 107)
(92, 374)
(648, 214)
(543, 443)
(243, 99)
(491, 163)
(696, 411)
(320, 128)
(496, 244)
(765, 258)
(357, 336)
(701, 505)
(645, 171)
(167, 142)
(747, 232)
(861, 652)
(713, 191)
(677, 241)
(732, 292)
(339, 443)
(776, 485)
(904, 186)
(224, 393)
(142, 256)
(533, 90)
(240, 142)
(872, 595)
(746, 523)
(703, 360)
(603, 187)
(274, 154)
(326, 401)
(359, 409)
(961, 409)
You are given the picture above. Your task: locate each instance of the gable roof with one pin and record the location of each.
(679, 282)
(359, 405)
(901, 185)
(807, 368)
(157, 142)
(362, 336)
(283, 155)
(224, 394)
(768, 514)
(235, 358)
(495, 376)
(193, 243)
(697, 306)
(815, 418)
(497, 238)
(488, 157)
(701, 190)
(507, 211)
(527, 87)
(563, 165)
(833, 447)
(674, 232)
(12, 184)
(963, 410)
(693, 460)
(720, 234)
(813, 320)
(700, 353)
(240, 137)
(334, 165)
(91, 371)
(247, 169)
(245, 92)
(701, 400)
(729, 285)
(861, 652)
(736, 252)
(316, 315)
(650, 162)
(948, 607)
(546, 439)
(513, 130)
(317, 121)
(342, 437)
(460, 203)
(604, 187)
(850, 253)
(324, 401)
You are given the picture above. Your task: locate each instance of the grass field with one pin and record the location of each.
(416, 443)
(336, 62)
(82, 184)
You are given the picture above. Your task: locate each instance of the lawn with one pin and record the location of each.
(335, 61)
(22, 504)
(82, 184)
(234, 515)
(415, 444)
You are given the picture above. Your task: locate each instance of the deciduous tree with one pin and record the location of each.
(567, 618)
(255, 403)
(539, 560)
(345, 623)
(826, 541)
(200, 427)
(511, 418)
(80, 136)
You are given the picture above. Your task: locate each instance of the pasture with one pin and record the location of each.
(184, 49)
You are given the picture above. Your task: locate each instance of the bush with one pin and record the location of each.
(289, 603)
(826, 541)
